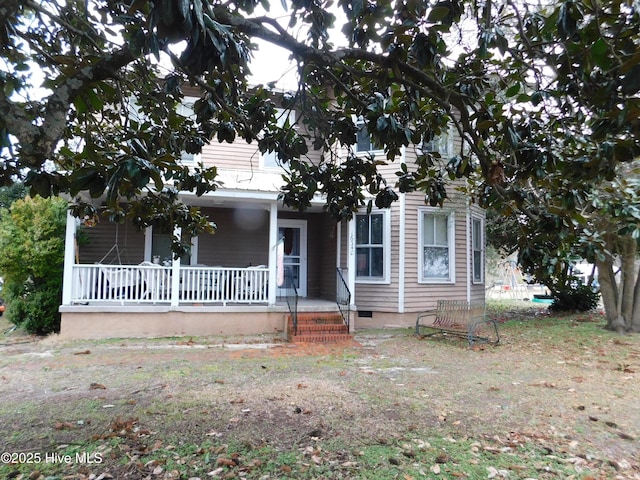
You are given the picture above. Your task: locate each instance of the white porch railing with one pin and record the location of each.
(150, 283)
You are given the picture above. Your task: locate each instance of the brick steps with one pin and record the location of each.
(320, 327)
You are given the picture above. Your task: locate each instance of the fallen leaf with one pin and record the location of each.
(225, 462)
(409, 453)
(443, 458)
(64, 426)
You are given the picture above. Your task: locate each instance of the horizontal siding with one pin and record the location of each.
(238, 154)
(244, 156)
(111, 243)
(421, 296)
(478, 291)
(384, 297)
(241, 238)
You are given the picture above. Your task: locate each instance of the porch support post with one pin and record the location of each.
(468, 258)
(351, 259)
(273, 252)
(175, 273)
(338, 244)
(402, 251)
(69, 259)
(402, 243)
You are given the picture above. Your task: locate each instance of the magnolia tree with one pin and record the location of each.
(613, 236)
(541, 95)
(602, 227)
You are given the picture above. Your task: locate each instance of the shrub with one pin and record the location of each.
(31, 262)
(576, 298)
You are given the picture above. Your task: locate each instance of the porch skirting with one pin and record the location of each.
(97, 322)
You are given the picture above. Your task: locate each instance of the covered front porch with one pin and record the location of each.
(245, 279)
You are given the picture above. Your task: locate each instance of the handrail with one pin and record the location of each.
(343, 296)
(292, 298)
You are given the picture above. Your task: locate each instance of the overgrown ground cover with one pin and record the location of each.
(558, 398)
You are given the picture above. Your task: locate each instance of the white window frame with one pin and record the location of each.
(269, 160)
(451, 241)
(442, 144)
(477, 227)
(148, 247)
(186, 110)
(362, 125)
(386, 248)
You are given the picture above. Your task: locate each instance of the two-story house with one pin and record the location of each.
(267, 263)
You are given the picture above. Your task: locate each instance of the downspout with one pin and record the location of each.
(69, 258)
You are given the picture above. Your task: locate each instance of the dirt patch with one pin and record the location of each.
(571, 392)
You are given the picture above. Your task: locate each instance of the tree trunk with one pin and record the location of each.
(635, 316)
(628, 264)
(609, 292)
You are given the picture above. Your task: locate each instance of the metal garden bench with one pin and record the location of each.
(459, 318)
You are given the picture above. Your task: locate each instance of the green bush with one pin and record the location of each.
(36, 310)
(577, 298)
(32, 236)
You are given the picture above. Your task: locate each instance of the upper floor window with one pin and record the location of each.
(185, 109)
(437, 246)
(477, 249)
(372, 247)
(442, 144)
(364, 142)
(270, 159)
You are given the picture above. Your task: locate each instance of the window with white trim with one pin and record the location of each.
(436, 246)
(160, 238)
(186, 109)
(372, 247)
(270, 159)
(477, 249)
(363, 138)
(441, 144)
